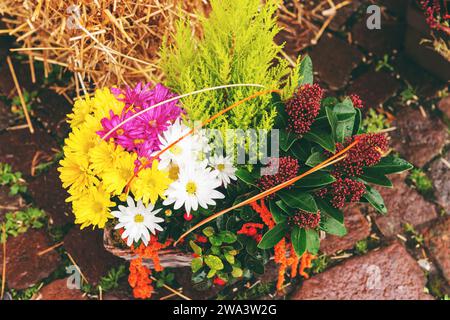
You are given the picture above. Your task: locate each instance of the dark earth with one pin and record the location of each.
(379, 258)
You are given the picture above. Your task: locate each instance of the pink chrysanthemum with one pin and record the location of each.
(306, 220)
(141, 133)
(303, 108)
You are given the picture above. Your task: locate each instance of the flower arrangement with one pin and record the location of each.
(139, 164)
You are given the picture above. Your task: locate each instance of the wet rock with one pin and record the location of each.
(417, 138)
(358, 229)
(334, 60)
(24, 267)
(368, 87)
(19, 147)
(9, 203)
(86, 248)
(58, 290)
(440, 175)
(386, 274)
(379, 41)
(444, 106)
(405, 205)
(424, 83)
(48, 194)
(437, 240)
(51, 111)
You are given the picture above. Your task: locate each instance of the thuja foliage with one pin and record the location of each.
(237, 46)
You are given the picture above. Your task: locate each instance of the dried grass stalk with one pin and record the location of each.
(104, 43)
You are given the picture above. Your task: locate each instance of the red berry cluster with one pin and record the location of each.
(435, 16)
(357, 102)
(306, 220)
(251, 230)
(346, 190)
(287, 169)
(303, 108)
(367, 152)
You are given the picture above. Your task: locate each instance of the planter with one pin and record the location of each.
(426, 57)
(169, 258)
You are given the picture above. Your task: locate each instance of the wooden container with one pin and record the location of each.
(169, 258)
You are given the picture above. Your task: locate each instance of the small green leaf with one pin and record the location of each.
(322, 137)
(374, 176)
(273, 236)
(229, 258)
(213, 262)
(215, 240)
(237, 272)
(306, 71)
(331, 225)
(277, 213)
(195, 248)
(316, 179)
(227, 236)
(287, 139)
(244, 175)
(391, 164)
(208, 231)
(211, 273)
(196, 264)
(330, 210)
(375, 199)
(298, 238)
(312, 241)
(295, 198)
(315, 159)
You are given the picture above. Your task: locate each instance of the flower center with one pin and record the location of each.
(220, 167)
(139, 218)
(174, 171)
(152, 123)
(120, 132)
(138, 141)
(191, 187)
(176, 150)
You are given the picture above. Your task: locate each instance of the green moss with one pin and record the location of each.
(421, 181)
(20, 221)
(12, 179)
(237, 46)
(375, 122)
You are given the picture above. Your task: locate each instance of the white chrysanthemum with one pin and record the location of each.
(184, 150)
(137, 220)
(224, 169)
(196, 185)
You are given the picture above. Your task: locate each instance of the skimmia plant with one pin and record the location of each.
(135, 166)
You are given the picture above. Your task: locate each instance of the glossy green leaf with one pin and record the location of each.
(321, 137)
(391, 164)
(374, 176)
(324, 206)
(375, 199)
(273, 236)
(298, 238)
(213, 262)
(298, 199)
(277, 213)
(315, 158)
(312, 241)
(287, 139)
(306, 71)
(196, 264)
(316, 179)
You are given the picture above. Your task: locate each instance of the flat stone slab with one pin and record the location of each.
(404, 205)
(343, 14)
(368, 87)
(417, 138)
(386, 274)
(86, 248)
(357, 227)
(59, 290)
(379, 41)
(49, 195)
(334, 60)
(19, 147)
(24, 267)
(440, 175)
(437, 240)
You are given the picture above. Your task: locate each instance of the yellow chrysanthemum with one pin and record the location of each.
(104, 155)
(75, 173)
(116, 177)
(104, 101)
(93, 208)
(151, 184)
(81, 109)
(80, 141)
